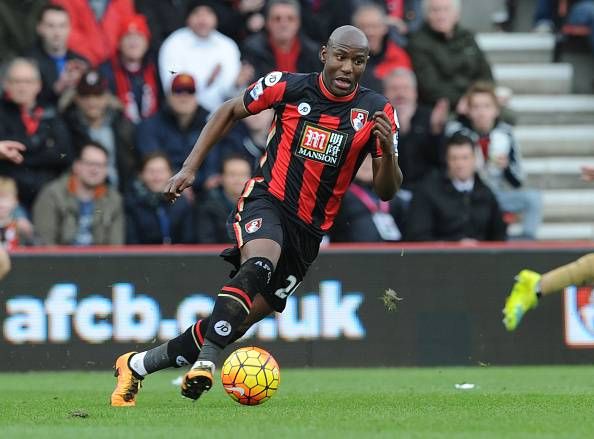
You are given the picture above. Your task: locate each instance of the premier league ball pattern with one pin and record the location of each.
(250, 376)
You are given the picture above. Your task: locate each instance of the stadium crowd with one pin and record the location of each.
(103, 100)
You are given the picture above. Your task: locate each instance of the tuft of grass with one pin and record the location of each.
(511, 402)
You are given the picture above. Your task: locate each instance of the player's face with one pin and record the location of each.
(343, 67)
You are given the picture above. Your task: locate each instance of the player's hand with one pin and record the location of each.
(176, 184)
(12, 150)
(383, 131)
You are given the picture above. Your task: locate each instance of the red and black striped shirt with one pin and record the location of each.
(317, 142)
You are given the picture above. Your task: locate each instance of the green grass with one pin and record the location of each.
(520, 402)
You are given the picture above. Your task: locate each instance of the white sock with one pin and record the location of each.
(137, 364)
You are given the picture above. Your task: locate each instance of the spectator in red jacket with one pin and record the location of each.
(384, 54)
(95, 26)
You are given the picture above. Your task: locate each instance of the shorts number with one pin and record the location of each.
(283, 293)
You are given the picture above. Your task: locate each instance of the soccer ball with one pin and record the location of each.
(250, 375)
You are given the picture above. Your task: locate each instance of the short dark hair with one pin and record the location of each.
(152, 156)
(235, 156)
(90, 144)
(51, 7)
(457, 139)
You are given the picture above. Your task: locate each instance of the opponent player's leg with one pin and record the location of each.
(530, 286)
(132, 367)
(258, 260)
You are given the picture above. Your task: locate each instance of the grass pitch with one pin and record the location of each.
(519, 402)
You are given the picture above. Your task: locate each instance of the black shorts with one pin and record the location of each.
(260, 216)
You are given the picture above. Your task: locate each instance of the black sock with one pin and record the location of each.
(180, 351)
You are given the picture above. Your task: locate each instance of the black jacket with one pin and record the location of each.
(211, 217)
(143, 224)
(48, 153)
(439, 212)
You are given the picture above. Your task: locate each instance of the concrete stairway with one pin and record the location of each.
(555, 129)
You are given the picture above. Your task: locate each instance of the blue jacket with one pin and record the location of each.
(161, 132)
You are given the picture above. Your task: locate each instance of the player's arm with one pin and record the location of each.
(215, 129)
(387, 176)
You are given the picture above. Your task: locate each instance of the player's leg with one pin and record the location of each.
(258, 260)
(529, 286)
(182, 350)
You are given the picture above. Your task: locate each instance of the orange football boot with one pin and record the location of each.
(128, 385)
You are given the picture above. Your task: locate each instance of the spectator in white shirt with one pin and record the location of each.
(200, 50)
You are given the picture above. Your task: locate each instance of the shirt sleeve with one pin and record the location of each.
(266, 92)
(374, 145)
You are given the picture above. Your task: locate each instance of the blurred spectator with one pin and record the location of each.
(60, 68)
(150, 219)
(163, 17)
(421, 128)
(80, 208)
(42, 132)
(213, 210)
(15, 230)
(320, 17)
(248, 137)
(384, 54)
(203, 52)
(95, 26)
(498, 157)
(281, 46)
(577, 13)
(455, 205)
(17, 26)
(363, 217)
(132, 73)
(176, 127)
(445, 56)
(95, 116)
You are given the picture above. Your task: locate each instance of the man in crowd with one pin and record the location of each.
(455, 205)
(95, 116)
(198, 49)
(61, 68)
(80, 208)
(281, 46)
(47, 148)
(445, 56)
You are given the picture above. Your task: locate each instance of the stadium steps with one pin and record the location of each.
(550, 141)
(517, 47)
(553, 109)
(559, 172)
(535, 78)
(553, 231)
(555, 129)
(561, 205)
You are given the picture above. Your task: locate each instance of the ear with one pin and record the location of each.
(323, 54)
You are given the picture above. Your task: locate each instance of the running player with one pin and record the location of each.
(325, 124)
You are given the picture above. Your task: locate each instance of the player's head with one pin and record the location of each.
(344, 58)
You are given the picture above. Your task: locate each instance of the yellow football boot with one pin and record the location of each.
(521, 299)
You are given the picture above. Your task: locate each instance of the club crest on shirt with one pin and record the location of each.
(358, 118)
(254, 225)
(321, 144)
